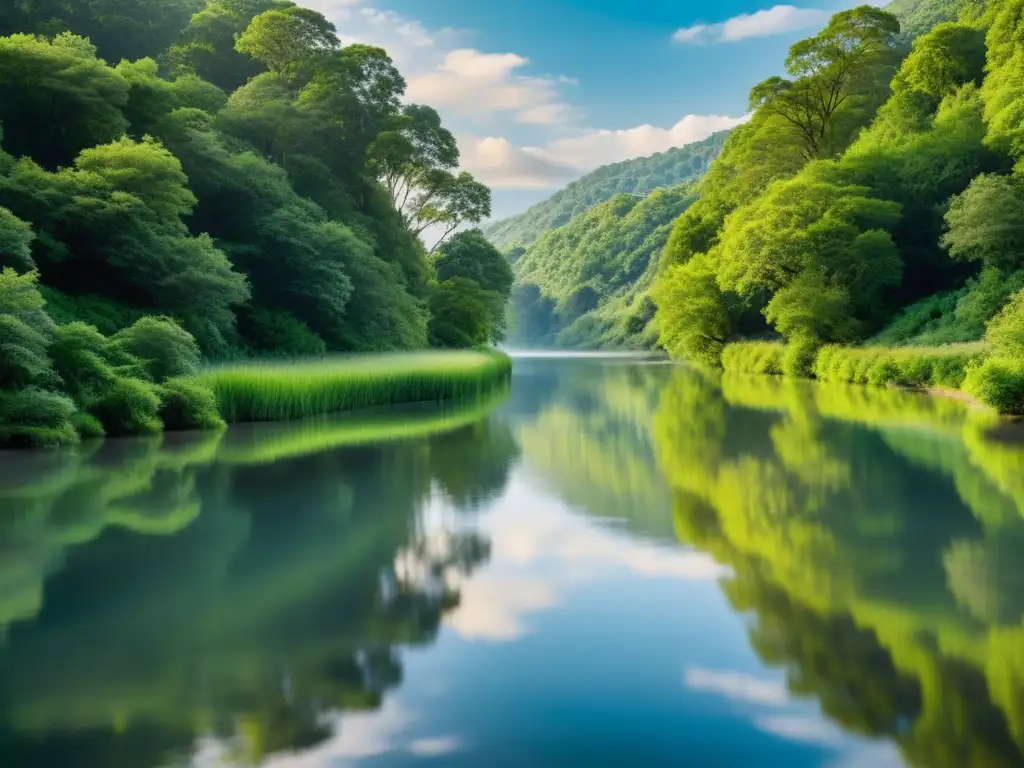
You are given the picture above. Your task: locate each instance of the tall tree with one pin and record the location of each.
(840, 77)
(288, 41)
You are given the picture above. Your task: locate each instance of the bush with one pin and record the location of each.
(903, 366)
(34, 418)
(128, 407)
(998, 383)
(758, 357)
(79, 353)
(165, 349)
(87, 425)
(186, 404)
(799, 356)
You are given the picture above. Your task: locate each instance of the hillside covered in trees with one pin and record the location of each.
(640, 177)
(228, 180)
(876, 195)
(584, 285)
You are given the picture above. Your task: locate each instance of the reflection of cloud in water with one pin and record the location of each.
(435, 747)
(806, 728)
(737, 686)
(358, 735)
(539, 550)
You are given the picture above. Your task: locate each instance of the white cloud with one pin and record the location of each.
(737, 686)
(777, 20)
(502, 165)
(499, 163)
(478, 84)
(449, 76)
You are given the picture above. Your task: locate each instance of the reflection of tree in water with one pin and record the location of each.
(870, 537)
(589, 437)
(280, 598)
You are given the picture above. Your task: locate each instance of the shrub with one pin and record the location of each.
(87, 425)
(78, 352)
(34, 418)
(186, 404)
(1006, 331)
(799, 356)
(758, 357)
(128, 407)
(997, 382)
(164, 348)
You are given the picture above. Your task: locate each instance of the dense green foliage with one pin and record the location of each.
(873, 196)
(585, 284)
(227, 165)
(639, 177)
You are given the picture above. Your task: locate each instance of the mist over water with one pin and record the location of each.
(623, 563)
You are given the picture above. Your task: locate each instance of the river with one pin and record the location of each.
(624, 562)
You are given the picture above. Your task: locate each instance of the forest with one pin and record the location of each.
(875, 200)
(188, 181)
(638, 177)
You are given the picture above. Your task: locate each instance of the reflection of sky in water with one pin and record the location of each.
(591, 647)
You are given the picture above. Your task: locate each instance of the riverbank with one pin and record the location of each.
(271, 391)
(971, 372)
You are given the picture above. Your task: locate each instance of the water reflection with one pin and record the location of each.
(702, 570)
(163, 593)
(876, 539)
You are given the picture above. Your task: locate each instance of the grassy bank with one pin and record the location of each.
(972, 370)
(283, 391)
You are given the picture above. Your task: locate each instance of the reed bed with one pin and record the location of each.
(266, 391)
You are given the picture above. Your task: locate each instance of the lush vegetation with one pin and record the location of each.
(249, 392)
(639, 177)
(875, 196)
(585, 285)
(229, 170)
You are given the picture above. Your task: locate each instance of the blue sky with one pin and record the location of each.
(541, 91)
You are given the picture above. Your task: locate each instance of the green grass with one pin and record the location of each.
(269, 391)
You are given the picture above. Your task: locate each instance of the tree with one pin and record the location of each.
(693, 314)
(288, 41)
(57, 98)
(461, 314)
(470, 256)
(949, 56)
(16, 238)
(358, 93)
(114, 225)
(840, 77)
(207, 45)
(986, 223)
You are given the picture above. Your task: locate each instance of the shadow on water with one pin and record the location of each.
(232, 592)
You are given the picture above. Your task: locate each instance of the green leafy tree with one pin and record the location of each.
(461, 314)
(288, 41)
(16, 238)
(839, 76)
(207, 45)
(57, 98)
(986, 223)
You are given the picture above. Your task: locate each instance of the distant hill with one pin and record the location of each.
(632, 177)
(583, 285)
(918, 16)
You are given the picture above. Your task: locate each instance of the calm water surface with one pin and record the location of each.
(622, 563)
